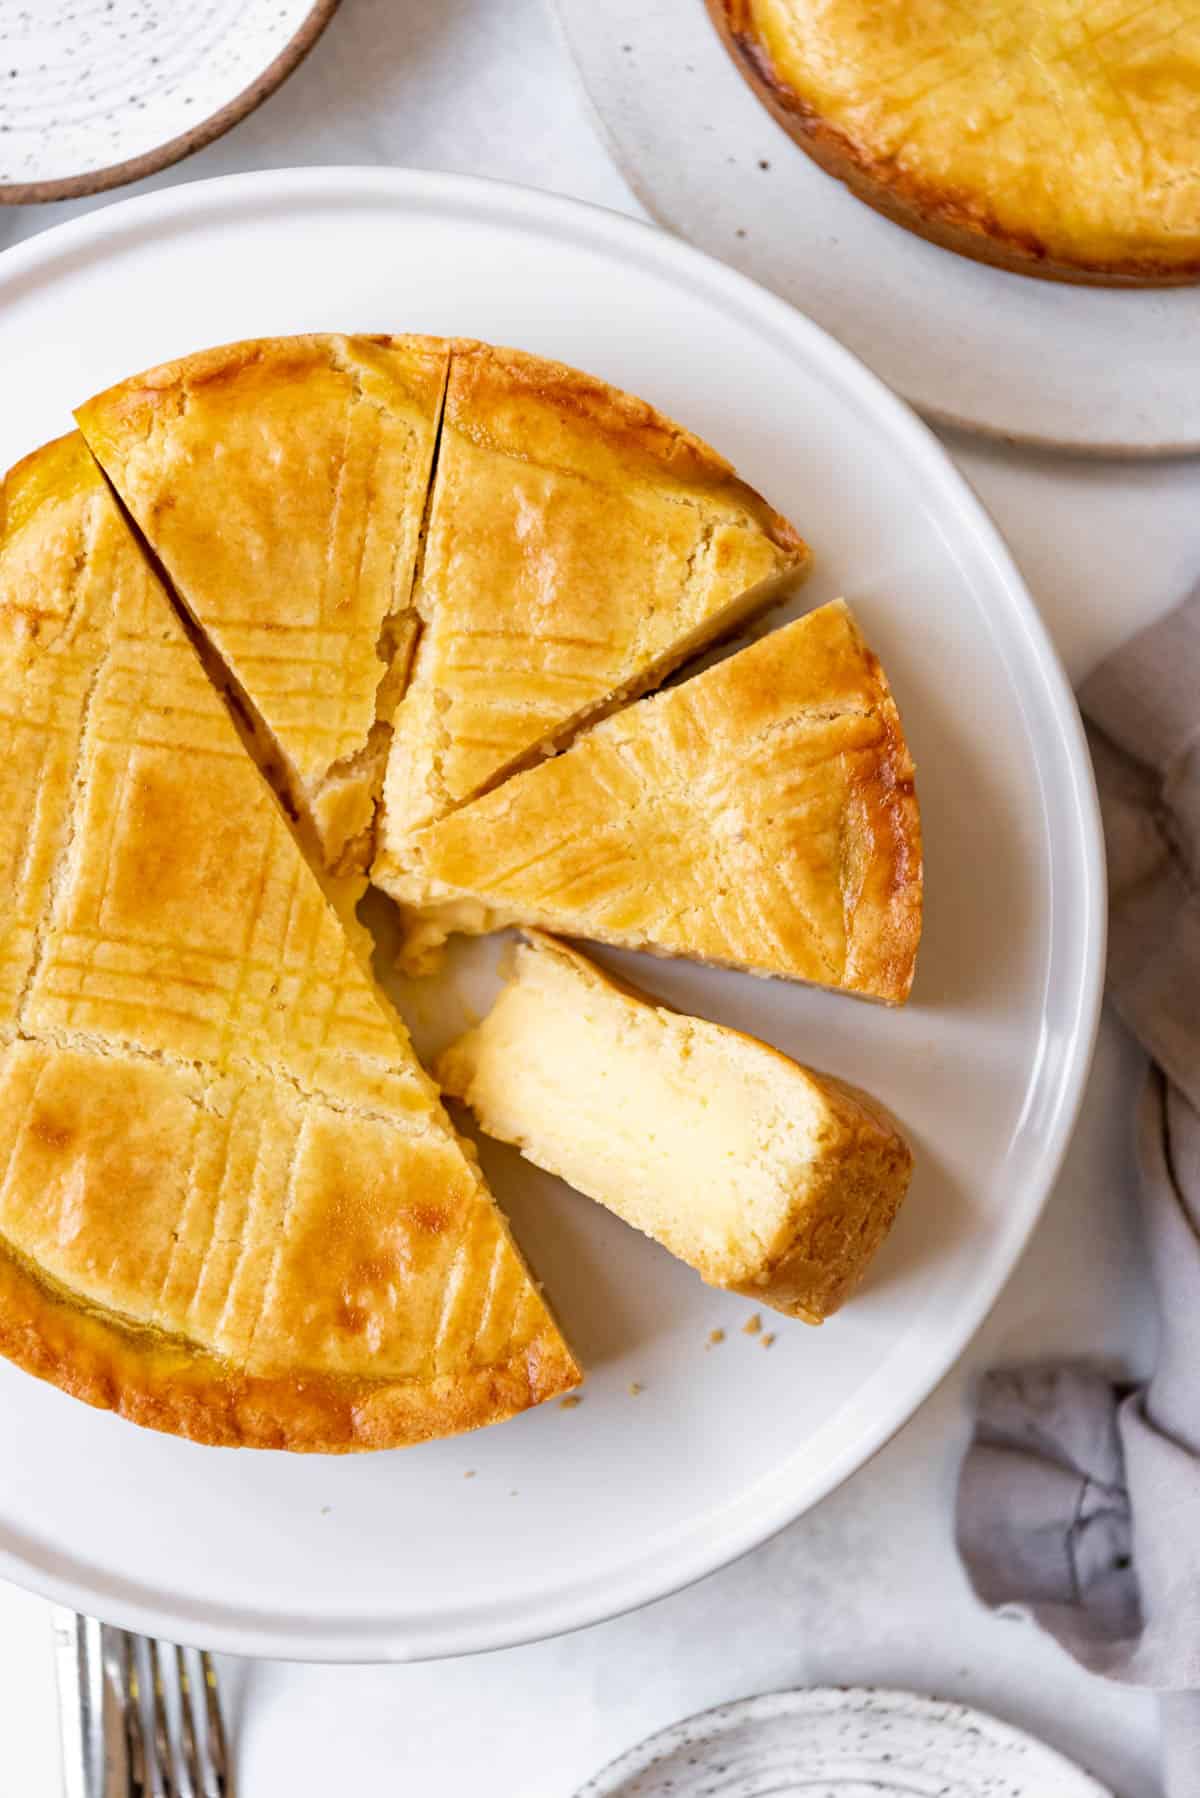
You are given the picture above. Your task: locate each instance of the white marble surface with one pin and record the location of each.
(867, 1587)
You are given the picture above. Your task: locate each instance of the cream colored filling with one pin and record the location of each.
(693, 1134)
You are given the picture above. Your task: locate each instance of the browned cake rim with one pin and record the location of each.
(949, 217)
(166, 1383)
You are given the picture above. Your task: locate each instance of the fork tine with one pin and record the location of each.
(112, 1751)
(216, 1771)
(163, 1752)
(187, 1724)
(135, 1735)
(160, 1760)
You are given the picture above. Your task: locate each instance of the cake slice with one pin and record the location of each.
(282, 485)
(761, 815)
(768, 1179)
(580, 547)
(231, 1205)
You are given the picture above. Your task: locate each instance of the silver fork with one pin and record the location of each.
(139, 1718)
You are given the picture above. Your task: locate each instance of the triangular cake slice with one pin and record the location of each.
(282, 485)
(580, 546)
(769, 1179)
(231, 1205)
(761, 815)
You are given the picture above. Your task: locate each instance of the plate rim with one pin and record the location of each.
(197, 137)
(594, 1599)
(796, 1700)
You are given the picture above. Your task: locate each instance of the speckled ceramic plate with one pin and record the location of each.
(1087, 368)
(842, 1743)
(97, 92)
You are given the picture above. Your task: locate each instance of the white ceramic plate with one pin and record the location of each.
(1091, 368)
(573, 1515)
(842, 1743)
(105, 91)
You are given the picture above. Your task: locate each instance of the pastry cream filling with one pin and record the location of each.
(700, 1137)
(676, 1126)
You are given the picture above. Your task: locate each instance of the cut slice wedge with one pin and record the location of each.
(282, 486)
(231, 1205)
(580, 546)
(768, 1179)
(761, 815)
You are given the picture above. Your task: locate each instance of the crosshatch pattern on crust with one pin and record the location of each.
(231, 1204)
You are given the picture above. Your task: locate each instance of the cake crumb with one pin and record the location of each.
(752, 1325)
(569, 1403)
(715, 1336)
(768, 1339)
(469, 1474)
(635, 1386)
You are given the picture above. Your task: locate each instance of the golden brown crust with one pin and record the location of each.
(762, 815)
(579, 547)
(631, 426)
(134, 406)
(887, 916)
(949, 216)
(281, 483)
(165, 1384)
(57, 470)
(230, 1202)
(864, 1178)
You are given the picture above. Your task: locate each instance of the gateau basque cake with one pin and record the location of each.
(573, 548)
(768, 1179)
(761, 815)
(231, 1205)
(391, 578)
(1054, 137)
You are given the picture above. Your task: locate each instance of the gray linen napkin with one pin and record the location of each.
(1080, 1498)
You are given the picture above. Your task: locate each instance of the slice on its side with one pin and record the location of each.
(766, 1178)
(761, 815)
(231, 1205)
(580, 547)
(282, 485)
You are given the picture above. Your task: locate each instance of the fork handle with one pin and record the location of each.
(89, 1712)
(76, 1710)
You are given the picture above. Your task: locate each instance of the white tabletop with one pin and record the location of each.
(867, 1587)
